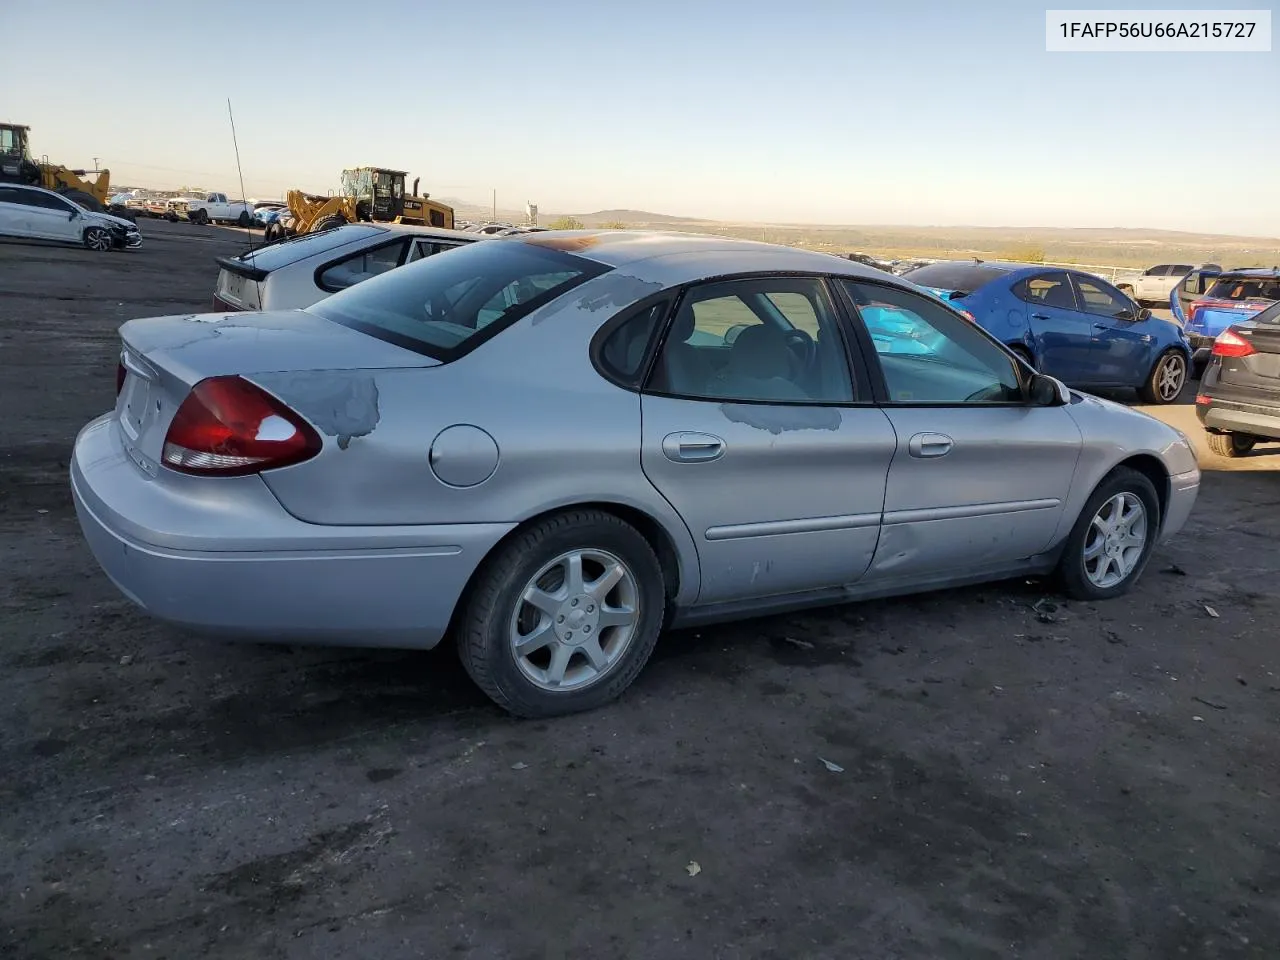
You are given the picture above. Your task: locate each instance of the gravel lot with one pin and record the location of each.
(1074, 781)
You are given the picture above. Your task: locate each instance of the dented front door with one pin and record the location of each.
(779, 498)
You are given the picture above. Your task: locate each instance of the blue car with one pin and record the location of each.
(1066, 323)
(1228, 297)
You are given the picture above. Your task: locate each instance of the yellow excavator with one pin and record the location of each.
(90, 189)
(369, 195)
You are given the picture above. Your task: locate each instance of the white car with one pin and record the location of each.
(1153, 284)
(295, 273)
(33, 213)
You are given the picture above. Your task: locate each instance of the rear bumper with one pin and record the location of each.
(1259, 420)
(1183, 490)
(232, 562)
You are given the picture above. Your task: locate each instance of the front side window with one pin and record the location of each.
(1103, 301)
(1159, 271)
(748, 340)
(362, 266)
(444, 306)
(927, 354)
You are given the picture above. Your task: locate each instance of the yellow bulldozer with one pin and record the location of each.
(369, 195)
(91, 189)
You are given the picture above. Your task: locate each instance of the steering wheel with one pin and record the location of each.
(803, 346)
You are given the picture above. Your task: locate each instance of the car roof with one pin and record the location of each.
(32, 187)
(420, 231)
(618, 248)
(1262, 272)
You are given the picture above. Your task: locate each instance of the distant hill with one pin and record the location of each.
(632, 217)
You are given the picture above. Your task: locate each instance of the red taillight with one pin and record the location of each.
(227, 427)
(1231, 344)
(1202, 399)
(222, 306)
(121, 373)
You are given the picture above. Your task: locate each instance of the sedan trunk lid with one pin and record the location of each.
(164, 357)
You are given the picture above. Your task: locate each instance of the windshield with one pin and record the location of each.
(304, 245)
(965, 277)
(1245, 288)
(446, 306)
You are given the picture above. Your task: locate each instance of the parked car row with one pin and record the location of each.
(754, 429)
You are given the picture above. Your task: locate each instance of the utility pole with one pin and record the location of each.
(495, 204)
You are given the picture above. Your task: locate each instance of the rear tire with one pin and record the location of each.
(1167, 379)
(497, 617)
(244, 219)
(1231, 445)
(1024, 354)
(1093, 542)
(330, 222)
(86, 200)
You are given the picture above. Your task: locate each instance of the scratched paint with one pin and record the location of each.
(781, 419)
(617, 290)
(342, 405)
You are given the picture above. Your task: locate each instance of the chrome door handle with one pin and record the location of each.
(929, 445)
(692, 447)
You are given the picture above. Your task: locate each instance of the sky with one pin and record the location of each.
(805, 111)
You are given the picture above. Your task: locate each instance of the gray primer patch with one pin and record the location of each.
(782, 418)
(342, 405)
(618, 290)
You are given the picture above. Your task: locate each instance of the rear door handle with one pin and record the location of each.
(924, 445)
(1101, 326)
(1039, 316)
(692, 447)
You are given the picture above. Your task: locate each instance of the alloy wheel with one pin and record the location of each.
(575, 619)
(1171, 377)
(1115, 541)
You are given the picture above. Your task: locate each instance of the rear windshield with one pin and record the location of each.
(1269, 315)
(1245, 288)
(297, 248)
(446, 306)
(964, 277)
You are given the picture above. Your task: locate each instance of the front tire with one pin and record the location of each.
(97, 240)
(1231, 445)
(1167, 378)
(1112, 540)
(330, 222)
(564, 616)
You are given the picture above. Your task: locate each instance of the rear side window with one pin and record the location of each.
(444, 307)
(1246, 288)
(623, 351)
(962, 277)
(308, 244)
(1049, 290)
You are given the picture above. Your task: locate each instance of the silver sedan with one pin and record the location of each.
(305, 269)
(552, 446)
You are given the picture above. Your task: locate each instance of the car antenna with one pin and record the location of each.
(243, 199)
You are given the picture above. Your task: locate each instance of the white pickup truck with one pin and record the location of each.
(216, 208)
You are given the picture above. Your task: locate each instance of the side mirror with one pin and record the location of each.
(71, 214)
(1046, 391)
(1144, 314)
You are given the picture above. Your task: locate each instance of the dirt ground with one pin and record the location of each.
(957, 775)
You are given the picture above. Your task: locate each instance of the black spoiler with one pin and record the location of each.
(240, 268)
